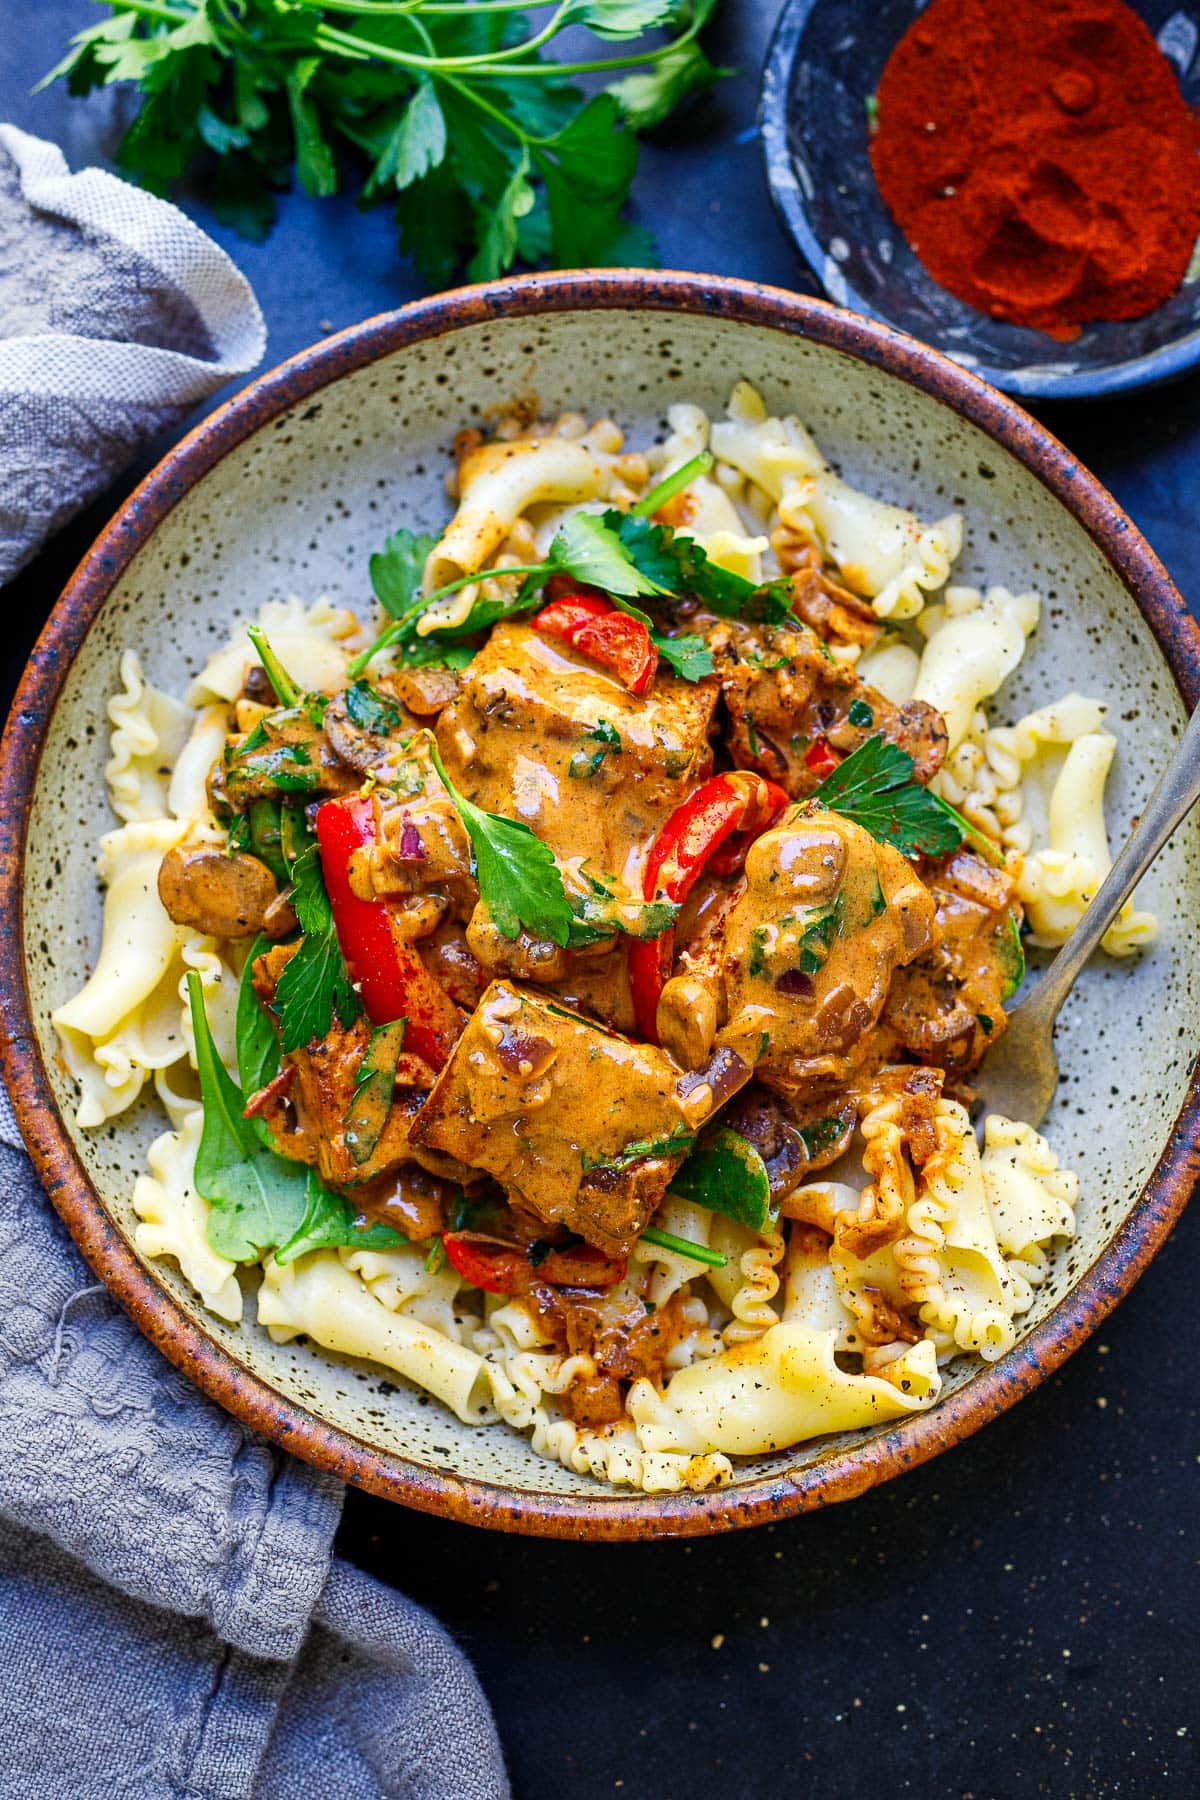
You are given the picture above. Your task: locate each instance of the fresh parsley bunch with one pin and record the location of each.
(445, 110)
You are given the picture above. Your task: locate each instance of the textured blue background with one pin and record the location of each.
(1017, 1618)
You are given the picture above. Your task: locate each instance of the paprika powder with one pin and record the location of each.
(1040, 159)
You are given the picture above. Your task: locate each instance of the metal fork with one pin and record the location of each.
(1018, 1077)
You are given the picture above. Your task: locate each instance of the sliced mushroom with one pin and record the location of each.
(211, 891)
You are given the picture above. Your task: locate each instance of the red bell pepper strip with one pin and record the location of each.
(387, 971)
(501, 1267)
(819, 758)
(712, 829)
(600, 631)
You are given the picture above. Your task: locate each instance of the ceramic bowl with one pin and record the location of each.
(286, 490)
(825, 59)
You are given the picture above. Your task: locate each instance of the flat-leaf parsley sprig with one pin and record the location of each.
(874, 788)
(486, 151)
(625, 555)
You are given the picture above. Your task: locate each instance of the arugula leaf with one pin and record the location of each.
(314, 985)
(373, 1088)
(397, 569)
(329, 1223)
(258, 1056)
(726, 1174)
(256, 1197)
(689, 656)
(592, 550)
(874, 788)
(519, 880)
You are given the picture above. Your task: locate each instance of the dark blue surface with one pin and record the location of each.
(1017, 1618)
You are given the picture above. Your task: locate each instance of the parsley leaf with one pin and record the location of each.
(396, 570)
(314, 985)
(593, 551)
(519, 880)
(874, 788)
(689, 656)
(676, 564)
(485, 150)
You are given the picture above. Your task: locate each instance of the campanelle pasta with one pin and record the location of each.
(870, 1241)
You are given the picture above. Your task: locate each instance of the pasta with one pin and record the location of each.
(501, 1204)
(880, 550)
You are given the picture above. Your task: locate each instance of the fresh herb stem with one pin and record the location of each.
(666, 1240)
(286, 690)
(398, 627)
(673, 484)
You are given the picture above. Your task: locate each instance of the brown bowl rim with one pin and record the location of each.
(838, 1475)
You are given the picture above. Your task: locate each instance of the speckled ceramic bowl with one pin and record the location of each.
(825, 58)
(286, 491)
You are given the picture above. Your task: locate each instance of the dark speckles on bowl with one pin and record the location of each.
(825, 59)
(271, 496)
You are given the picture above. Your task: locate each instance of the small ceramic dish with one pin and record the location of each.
(286, 490)
(825, 59)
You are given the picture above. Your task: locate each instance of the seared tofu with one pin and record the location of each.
(541, 734)
(581, 1127)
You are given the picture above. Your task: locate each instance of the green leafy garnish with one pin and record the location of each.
(481, 145)
(817, 938)
(257, 1040)
(286, 691)
(677, 564)
(330, 1223)
(666, 1240)
(726, 1174)
(372, 711)
(519, 880)
(315, 984)
(678, 1143)
(689, 656)
(860, 714)
(822, 1135)
(604, 916)
(256, 1197)
(396, 570)
(672, 484)
(592, 551)
(1011, 954)
(874, 788)
(374, 1086)
(979, 840)
(626, 556)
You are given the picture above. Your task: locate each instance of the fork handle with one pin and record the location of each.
(1177, 792)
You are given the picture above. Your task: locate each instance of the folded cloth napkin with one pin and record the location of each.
(117, 315)
(172, 1619)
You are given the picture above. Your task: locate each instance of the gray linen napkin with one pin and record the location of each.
(172, 1621)
(117, 315)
